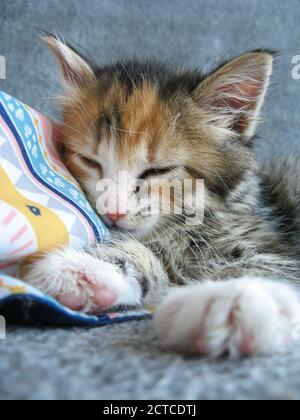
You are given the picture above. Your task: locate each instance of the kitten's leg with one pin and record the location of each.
(120, 274)
(245, 316)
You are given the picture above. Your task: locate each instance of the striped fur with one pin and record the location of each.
(138, 116)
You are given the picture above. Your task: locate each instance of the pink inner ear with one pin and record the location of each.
(244, 99)
(69, 73)
(73, 66)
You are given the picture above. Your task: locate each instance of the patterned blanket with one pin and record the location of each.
(41, 208)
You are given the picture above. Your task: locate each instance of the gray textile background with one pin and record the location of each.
(125, 361)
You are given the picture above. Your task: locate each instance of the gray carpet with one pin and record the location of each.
(125, 361)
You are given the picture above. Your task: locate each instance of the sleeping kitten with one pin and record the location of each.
(236, 269)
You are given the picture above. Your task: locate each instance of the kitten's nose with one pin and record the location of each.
(115, 217)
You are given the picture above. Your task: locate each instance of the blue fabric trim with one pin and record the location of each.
(11, 126)
(37, 311)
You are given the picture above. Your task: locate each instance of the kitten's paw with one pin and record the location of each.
(240, 317)
(82, 282)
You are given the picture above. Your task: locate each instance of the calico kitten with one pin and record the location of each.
(237, 268)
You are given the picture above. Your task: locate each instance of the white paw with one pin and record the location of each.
(82, 282)
(239, 317)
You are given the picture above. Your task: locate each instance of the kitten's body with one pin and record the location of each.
(197, 127)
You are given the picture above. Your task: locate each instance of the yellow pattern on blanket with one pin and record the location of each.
(49, 230)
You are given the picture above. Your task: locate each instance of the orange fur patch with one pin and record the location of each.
(168, 132)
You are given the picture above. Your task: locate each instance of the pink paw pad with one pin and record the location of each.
(202, 347)
(71, 301)
(247, 345)
(104, 298)
(89, 291)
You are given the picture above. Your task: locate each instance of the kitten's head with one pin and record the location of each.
(154, 122)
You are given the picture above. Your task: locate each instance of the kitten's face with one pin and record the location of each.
(151, 123)
(142, 135)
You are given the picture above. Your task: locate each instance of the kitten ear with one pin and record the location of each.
(235, 92)
(75, 69)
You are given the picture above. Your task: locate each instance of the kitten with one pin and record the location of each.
(235, 270)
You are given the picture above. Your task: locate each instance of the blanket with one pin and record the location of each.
(42, 207)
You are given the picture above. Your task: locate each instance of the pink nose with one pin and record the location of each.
(115, 217)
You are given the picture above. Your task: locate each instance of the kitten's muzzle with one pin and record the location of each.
(115, 217)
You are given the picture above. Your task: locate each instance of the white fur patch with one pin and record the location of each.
(242, 317)
(64, 271)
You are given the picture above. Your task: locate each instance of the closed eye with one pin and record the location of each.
(91, 163)
(156, 172)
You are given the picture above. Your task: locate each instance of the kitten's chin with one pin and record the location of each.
(138, 232)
